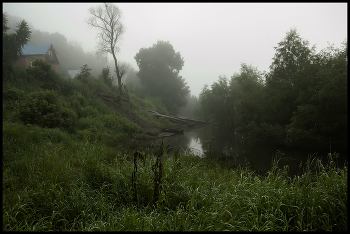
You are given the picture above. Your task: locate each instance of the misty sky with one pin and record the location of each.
(213, 38)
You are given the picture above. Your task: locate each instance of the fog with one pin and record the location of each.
(213, 38)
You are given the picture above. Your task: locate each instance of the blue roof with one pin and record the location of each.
(29, 49)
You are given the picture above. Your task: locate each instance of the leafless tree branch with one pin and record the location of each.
(106, 18)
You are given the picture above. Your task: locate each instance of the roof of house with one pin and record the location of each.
(29, 49)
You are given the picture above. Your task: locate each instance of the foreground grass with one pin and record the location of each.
(65, 184)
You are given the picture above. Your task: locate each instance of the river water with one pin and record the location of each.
(225, 144)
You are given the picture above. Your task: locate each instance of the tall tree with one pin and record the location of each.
(159, 68)
(321, 114)
(106, 18)
(13, 42)
(216, 103)
(246, 90)
(287, 76)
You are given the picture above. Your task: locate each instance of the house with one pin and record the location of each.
(73, 73)
(44, 51)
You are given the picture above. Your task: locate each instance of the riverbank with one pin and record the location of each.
(62, 171)
(72, 185)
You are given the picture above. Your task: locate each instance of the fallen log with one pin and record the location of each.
(175, 119)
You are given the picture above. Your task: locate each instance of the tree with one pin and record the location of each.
(246, 90)
(13, 42)
(106, 18)
(287, 76)
(106, 76)
(321, 114)
(159, 68)
(216, 103)
(43, 71)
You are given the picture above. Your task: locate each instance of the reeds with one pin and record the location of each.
(69, 185)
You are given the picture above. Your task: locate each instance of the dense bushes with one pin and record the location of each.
(44, 108)
(43, 71)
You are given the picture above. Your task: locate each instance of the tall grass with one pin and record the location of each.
(55, 182)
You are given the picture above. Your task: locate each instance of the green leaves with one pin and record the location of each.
(13, 42)
(23, 33)
(301, 101)
(43, 108)
(159, 68)
(84, 73)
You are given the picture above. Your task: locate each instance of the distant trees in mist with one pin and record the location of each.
(71, 55)
(159, 65)
(300, 102)
(159, 68)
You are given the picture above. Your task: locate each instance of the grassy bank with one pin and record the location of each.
(62, 171)
(55, 182)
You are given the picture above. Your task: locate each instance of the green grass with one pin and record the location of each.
(60, 180)
(54, 182)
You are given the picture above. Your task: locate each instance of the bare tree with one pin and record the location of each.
(106, 18)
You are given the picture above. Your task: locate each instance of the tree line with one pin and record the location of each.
(300, 102)
(159, 66)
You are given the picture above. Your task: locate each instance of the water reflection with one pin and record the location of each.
(211, 140)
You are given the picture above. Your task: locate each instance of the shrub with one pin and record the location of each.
(44, 72)
(12, 93)
(88, 111)
(100, 106)
(12, 97)
(69, 119)
(106, 76)
(84, 73)
(43, 108)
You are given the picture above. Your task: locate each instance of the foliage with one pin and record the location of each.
(321, 115)
(70, 185)
(84, 73)
(13, 43)
(44, 108)
(62, 170)
(44, 73)
(301, 102)
(287, 76)
(106, 76)
(159, 73)
(217, 103)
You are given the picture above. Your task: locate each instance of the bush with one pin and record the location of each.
(43, 108)
(12, 97)
(100, 106)
(44, 72)
(69, 119)
(88, 111)
(12, 93)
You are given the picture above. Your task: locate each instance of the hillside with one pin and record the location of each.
(63, 170)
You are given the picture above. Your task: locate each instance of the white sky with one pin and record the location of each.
(213, 38)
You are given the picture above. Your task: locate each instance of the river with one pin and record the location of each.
(225, 144)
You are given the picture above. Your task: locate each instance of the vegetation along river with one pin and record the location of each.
(225, 144)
